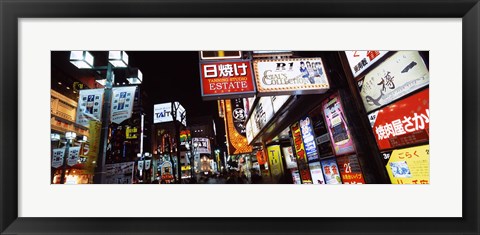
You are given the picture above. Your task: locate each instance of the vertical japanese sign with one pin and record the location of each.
(337, 126)
(122, 103)
(308, 139)
(410, 165)
(261, 157)
(89, 106)
(350, 170)
(57, 159)
(290, 160)
(296, 176)
(94, 131)
(330, 171)
(226, 79)
(290, 76)
(301, 155)
(275, 161)
(73, 155)
(236, 130)
(396, 77)
(317, 174)
(404, 122)
(119, 173)
(359, 61)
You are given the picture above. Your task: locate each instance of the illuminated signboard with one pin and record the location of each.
(317, 174)
(275, 161)
(203, 145)
(308, 139)
(396, 77)
(296, 176)
(162, 113)
(330, 171)
(226, 79)
(236, 131)
(301, 154)
(337, 126)
(290, 160)
(220, 55)
(290, 76)
(119, 173)
(410, 165)
(404, 122)
(359, 61)
(350, 170)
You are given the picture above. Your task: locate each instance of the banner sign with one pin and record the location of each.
(119, 173)
(359, 61)
(410, 165)
(58, 155)
(308, 139)
(94, 132)
(350, 170)
(162, 113)
(317, 174)
(290, 76)
(89, 107)
(296, 176)
(73, 155)
(140, 165)
(122, 103)
(396, 77)
(226, 79)
(148, 163)
(301, 155)
(275, 163)
(236, 129)
(337, 126)
(289, 157)
(203, 145)
(330, 171)
(404, 122)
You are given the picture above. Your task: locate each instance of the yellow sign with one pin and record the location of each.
(94, 129)
(131, 133)
(275, 160)
(186, 168)
(410, 165)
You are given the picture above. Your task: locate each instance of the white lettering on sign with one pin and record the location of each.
(224, 70)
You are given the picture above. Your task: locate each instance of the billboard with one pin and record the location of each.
(330, 171)
(396, 77)
(337, 126)
(226, 79)
(290, 76)
(203, 145)
(410, 165)
(162, 113)
(301, 155)
(402, 123)
(359, 61)
(350, 170)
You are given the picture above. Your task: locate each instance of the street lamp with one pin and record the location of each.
(69, 136)
(117, 59)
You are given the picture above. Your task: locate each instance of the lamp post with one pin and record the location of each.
(68, 137)
(116, 60)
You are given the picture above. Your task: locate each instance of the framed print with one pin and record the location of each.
(32, 31)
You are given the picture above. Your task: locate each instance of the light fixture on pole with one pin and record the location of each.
(119, 59)
(136, 78)
(81, 59)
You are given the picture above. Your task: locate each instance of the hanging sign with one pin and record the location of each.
(350, 170)
(89, 107)
(289, 157)
(337, 126)
(275, 161)
(317, 174)
(73, 155)
(147, 164)
(57, 159)
(162, 113)
(226, 79)
(140, 165)
(261, 157)
(236, 129)
(308, 139)
(359, 61)
(119, 173)
(404, 122)
(122, 103)
(396, 77)
(330, 171)
(410, 165)
(290, 76)
(301, 155)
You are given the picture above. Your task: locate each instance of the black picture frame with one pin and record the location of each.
(11, 11)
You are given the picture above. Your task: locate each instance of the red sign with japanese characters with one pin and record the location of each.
(350, 170)
(402, 123)
(227, 79)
